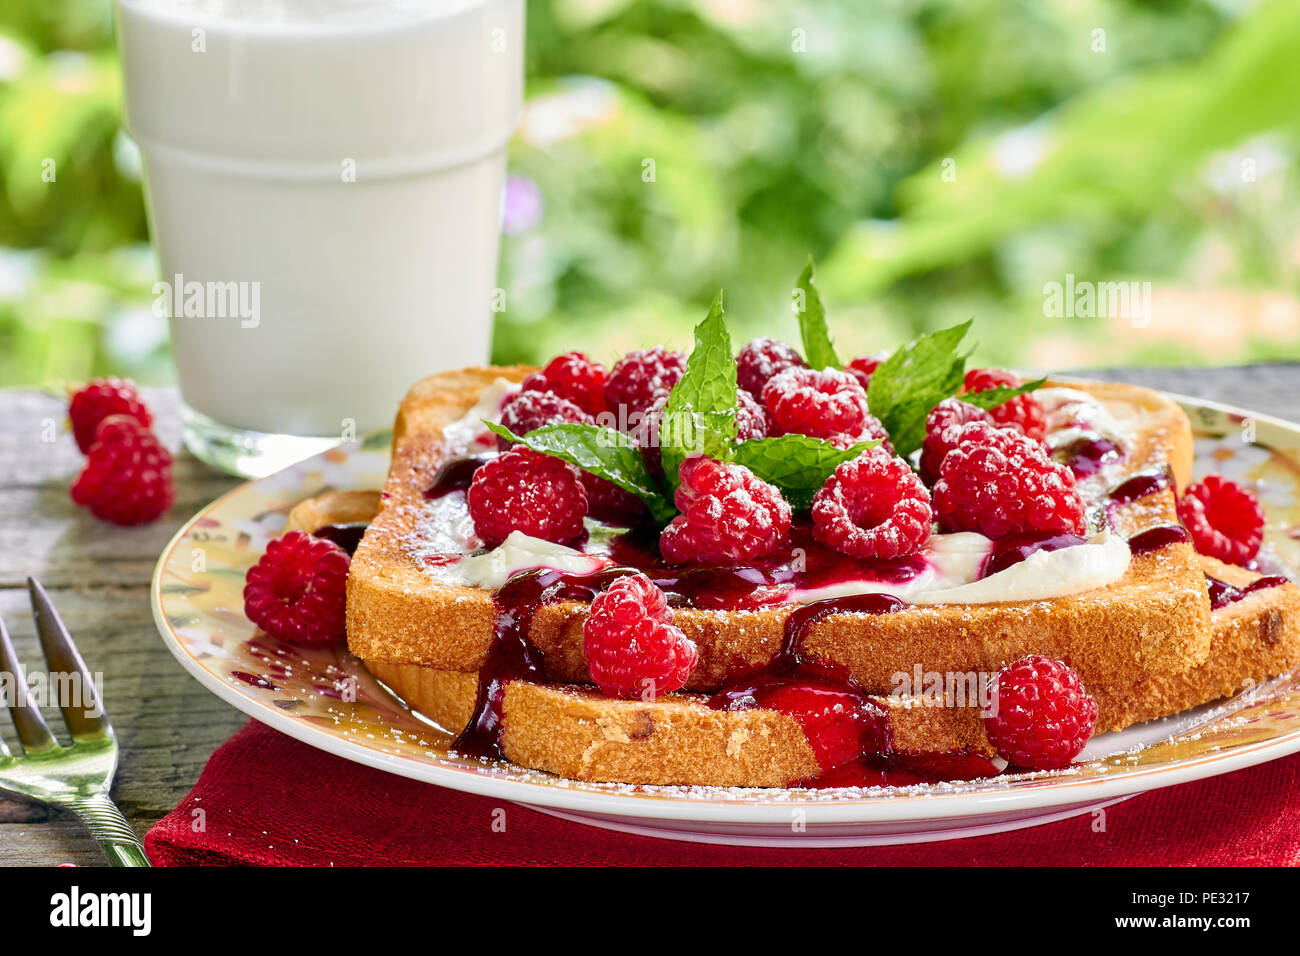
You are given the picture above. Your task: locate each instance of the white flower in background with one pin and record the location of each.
(1231, 171)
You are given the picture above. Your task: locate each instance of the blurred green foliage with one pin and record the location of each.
(942, 159)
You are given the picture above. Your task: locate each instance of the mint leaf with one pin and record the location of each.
(700, 414)
(604, 452)
(815, 334)
(993, 397)
(797, 464)
(913, 380)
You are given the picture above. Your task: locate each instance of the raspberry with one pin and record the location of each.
(1223, 518)
(829, 404)
(646, 435)
(608, 502)
(872, 507)
(835, 722)
(997, 482)
(863, 367)
(641, 376)
(296, 590)
(727, 514)
(1043, 716)
(941, 428)
(751, 420)
(526, 410)
(524, 490)
(760, 360)
(1023, 410)
(572, 376)
(631, 646)
(99, 399)
(128, 475)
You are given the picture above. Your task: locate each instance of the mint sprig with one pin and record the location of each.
(993, 397)
(797, 464)
(913, 380)
(818, 350)
(605, 452)
(700, 413)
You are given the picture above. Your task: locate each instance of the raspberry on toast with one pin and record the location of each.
(1152, 622)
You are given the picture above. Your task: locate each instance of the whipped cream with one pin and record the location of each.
(954, 562)
(464, 432)
(520, 552)
(1073, 414)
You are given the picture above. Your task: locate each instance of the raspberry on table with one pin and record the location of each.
(574, 376)
(1224, 519)
(524, 490)
(1042, 716)
(630, 644)
(1023, 410)
(128, 474)
(873, 507)
(997, 481)
(99, 399)
(296, 590)
(941, 428)
(727, 514)
(641, 376)
(864, 366)
(527, 410)
(761, 359)
(828, 404)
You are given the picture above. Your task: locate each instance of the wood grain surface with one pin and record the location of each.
(99, 575)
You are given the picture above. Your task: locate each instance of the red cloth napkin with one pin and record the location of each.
(267, 799)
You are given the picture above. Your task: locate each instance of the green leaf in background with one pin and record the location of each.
(993, 397)
(604, 452)
(700, 414)
(797, 464)
(913, 380)
(818, 349)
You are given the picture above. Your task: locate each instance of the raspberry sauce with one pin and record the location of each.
(1088, 454)
(1222, 593)
(346, 536)
(803, 564)
(1140, 485)
(1155, 538)
(807, 689)
(455, 475)
(1014, 548)
(512, 654)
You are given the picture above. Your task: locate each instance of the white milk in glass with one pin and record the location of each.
(324, 183)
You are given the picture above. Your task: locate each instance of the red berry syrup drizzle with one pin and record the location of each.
(1014, 548)
(1088, 455)
(455, 475)
(346, 536)
(512, 654)
(1140, 485)
(1222, 593)
(859, 752)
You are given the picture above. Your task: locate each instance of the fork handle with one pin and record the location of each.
(114, 835)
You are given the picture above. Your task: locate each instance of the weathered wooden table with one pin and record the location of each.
(99, 578)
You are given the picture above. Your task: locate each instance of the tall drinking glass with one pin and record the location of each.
(324, 182)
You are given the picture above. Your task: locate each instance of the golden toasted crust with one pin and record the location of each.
(575, 732)
(1154, 621)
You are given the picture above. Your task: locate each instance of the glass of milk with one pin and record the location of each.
(324, 182)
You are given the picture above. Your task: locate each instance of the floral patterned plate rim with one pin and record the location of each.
(325, 698)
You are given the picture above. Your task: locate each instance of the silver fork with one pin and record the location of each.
(77, 776)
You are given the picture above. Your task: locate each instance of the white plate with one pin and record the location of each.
(328, 700)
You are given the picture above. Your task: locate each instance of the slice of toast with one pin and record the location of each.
(1154, 621)
(575, 732)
